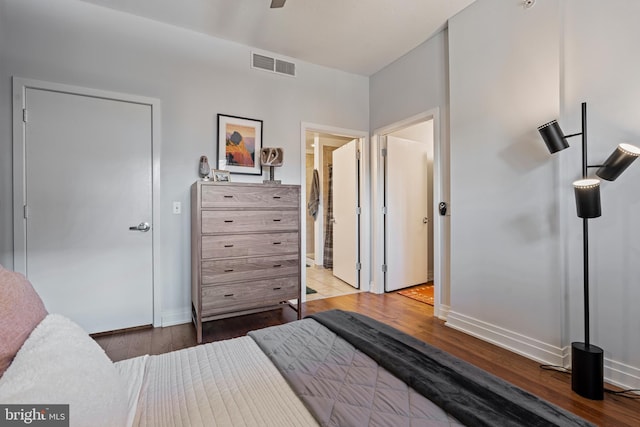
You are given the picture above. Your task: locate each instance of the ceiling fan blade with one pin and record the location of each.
(275, 4)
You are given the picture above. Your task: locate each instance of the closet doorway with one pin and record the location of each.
(410, 180)
(334, 219)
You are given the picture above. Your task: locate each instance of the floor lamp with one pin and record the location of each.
(587, 360)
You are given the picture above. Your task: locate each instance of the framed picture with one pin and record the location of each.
(239, 144)
(220, 175)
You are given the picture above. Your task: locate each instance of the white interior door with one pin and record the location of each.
(88, 179)
(345, 214)
(407, 231)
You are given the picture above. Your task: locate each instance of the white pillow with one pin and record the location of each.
(60, 364)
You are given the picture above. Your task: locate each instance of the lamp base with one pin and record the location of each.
(587, 370)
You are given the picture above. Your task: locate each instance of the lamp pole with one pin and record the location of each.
(585, 231)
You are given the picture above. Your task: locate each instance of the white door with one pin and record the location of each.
(88, 179)
(406, 230)
(345, 215)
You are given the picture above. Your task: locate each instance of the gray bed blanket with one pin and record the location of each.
(340, 385)
(472, 395)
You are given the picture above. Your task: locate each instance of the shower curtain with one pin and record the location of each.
(328, 229)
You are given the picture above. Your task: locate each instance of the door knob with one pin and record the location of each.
(143, 226)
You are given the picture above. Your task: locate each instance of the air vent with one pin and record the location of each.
(284, 67)
(263, 62)
(273, 65)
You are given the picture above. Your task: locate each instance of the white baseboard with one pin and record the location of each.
(621, 375)
(512, 341)
(175, 317)
(615, 373)
(443, 312)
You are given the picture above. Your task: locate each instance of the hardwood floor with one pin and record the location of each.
(412, 317)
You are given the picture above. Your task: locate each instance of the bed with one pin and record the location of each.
(334, 368)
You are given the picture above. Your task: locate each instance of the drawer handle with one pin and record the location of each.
(277, 220)
(228, 220)
(277, 197)
(228, 197)
(228, 270)
(277, 243)
(278, 288)
(277, 265)
(228, 295)
(228, 246)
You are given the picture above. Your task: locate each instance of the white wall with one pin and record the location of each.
(602, 68)
(195, 77)
(506, 272)
(516, 239)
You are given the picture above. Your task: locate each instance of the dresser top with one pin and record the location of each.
(244, 184)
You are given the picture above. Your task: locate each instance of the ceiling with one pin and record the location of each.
(357, 36)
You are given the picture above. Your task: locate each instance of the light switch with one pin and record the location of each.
(177, 208)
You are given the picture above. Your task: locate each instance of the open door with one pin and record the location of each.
(345, 213)
(407, 217)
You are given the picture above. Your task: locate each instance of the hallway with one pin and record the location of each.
(326, 284)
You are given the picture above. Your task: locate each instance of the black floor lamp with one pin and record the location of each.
(587, 360)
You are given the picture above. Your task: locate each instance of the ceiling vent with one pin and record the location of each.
(273, 65)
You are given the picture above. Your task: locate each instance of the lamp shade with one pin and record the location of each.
(587, 193)
(618, 161)
(553, 136)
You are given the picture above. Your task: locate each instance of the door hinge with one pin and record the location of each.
(384, 210)
(358, 210)
(24, 115)
(384, 268)
(358, 266)
(358, 154)
(25, 211)
(383, 152)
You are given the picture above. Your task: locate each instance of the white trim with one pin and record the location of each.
(365, 200)
(621, 375)
(20, 85)
(175, 317)
(441, 177)
(615, 373)
(512, 341)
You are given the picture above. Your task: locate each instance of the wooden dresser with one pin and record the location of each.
(245, 249)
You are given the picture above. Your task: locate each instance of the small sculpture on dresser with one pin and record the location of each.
(204, 168)
(272, 157)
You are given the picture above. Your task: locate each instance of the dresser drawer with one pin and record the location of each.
(214, 196)
(237, 245)
(244, 296)
(237, 269)
(249, 221)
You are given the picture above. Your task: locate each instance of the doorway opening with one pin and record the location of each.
(333, 238)
(409, 184)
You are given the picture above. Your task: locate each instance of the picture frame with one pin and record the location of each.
(239, 145)
(219, 175)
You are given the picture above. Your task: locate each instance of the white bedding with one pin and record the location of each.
(132, 372)
(226, 383)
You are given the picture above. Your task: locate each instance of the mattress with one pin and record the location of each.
(226, 383)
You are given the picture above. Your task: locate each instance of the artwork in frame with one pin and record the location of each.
(239, 144)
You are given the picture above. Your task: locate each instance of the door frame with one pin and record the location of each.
(441, 227)
(20, 86)
(365, 198)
